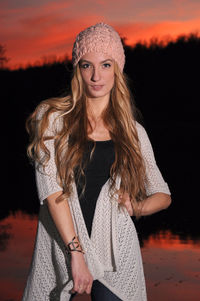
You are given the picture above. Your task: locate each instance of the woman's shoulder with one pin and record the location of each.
(41, 110)
(143, 137)
(140, 130)
(54, 118)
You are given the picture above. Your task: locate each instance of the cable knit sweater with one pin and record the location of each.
(112, 253)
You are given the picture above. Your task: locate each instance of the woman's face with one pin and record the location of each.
(97, 70)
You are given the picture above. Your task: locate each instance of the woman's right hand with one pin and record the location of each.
(82, 277)
(124, 199)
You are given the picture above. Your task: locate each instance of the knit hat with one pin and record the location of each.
(99, 38)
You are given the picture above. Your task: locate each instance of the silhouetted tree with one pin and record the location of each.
(3, 58)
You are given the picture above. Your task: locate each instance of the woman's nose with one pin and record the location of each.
(95, 75)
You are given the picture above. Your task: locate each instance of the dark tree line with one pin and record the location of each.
(164, 81)
(3, 58)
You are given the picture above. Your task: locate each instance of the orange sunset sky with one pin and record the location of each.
(33, 29)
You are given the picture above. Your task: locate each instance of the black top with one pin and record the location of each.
(97, 172)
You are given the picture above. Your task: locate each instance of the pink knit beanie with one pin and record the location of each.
(99, 38)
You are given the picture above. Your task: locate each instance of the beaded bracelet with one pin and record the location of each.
(74, 246)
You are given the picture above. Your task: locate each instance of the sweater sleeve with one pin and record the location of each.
(46, 178)
(154, 180)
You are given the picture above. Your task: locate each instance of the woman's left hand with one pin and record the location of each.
(124, 199)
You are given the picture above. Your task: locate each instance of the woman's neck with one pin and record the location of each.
(97, 129)
(95, 107)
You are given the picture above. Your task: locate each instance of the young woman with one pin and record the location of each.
(94, 169)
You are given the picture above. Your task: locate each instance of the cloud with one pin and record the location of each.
(163, 30)
(44, 32)
(49, 28)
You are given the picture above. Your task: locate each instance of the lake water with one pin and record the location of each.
(171, 264)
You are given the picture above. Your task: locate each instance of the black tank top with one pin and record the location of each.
(97, 172)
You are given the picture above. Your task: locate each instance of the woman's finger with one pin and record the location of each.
(88, 288)
(75, 287)
(81, 289)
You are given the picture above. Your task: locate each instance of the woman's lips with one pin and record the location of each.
(97, 87)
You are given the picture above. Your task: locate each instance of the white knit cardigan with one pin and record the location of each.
(112, 253)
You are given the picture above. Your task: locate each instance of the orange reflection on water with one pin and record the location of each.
(172, 266)
(167, 240)
(17, 241)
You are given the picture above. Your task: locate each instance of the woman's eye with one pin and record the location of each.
(106, 65)
(85, 66)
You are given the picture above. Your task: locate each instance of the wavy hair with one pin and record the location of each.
(71, 139)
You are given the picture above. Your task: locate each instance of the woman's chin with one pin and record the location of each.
(98, 94)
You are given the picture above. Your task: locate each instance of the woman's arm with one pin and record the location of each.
(158, 194)
(62, 218)
(152, 204)
(48, 191)
(61, 215)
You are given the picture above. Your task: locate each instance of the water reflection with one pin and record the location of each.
(172, 266)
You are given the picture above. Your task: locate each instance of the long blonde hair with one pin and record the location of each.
(71, 139)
